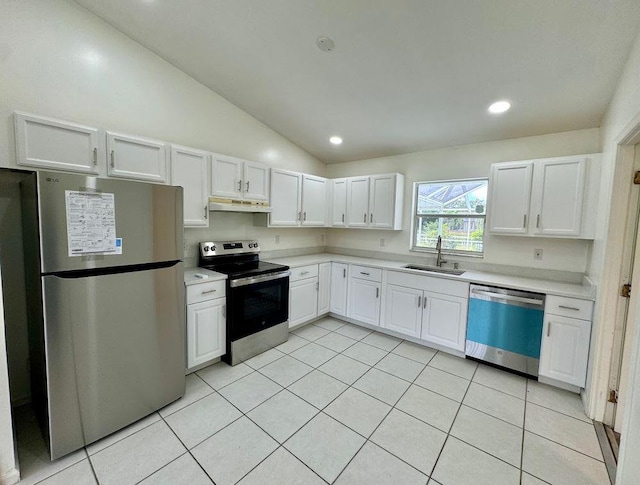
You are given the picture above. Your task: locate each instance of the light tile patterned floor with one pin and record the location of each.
(340, 404)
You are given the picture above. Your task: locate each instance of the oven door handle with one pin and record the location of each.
(259, 279)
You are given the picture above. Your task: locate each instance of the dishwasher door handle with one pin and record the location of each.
(501, 296)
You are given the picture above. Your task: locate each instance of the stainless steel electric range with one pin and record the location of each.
(257, 297)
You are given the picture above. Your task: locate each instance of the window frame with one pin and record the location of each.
(415, 219)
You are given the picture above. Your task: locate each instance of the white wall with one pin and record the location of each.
(466, 162)
(59, 60)
(8, 472)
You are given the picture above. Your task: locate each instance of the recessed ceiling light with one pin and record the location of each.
(499, 107)
(336, 140)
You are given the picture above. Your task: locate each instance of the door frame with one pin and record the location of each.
(608, 301)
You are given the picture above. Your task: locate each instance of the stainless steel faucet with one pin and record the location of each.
(439, 260)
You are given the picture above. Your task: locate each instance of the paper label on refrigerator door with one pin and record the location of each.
(91, 223)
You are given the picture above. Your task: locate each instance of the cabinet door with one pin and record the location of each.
(358, 202)
(303, 301)
(403, 310)
(206, 330)
(324, 288)
(364, 301)
(558, 192)
(338, 203)
(382, 201)
(314, 201)
(565, 349)
(57, 145)
(509, 198)
(226, 177)
(190, 170)
(256, 181)
(444, 320)
(339, 288)
(136, 158)
(285, 198)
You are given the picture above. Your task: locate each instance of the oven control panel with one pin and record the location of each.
(219, 248)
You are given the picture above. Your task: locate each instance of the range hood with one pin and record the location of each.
(233, 205)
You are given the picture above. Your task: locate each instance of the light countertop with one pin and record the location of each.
(190, 277)
(572, 290)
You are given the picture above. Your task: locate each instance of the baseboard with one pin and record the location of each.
(10, 477)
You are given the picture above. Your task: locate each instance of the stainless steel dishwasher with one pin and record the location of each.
(504, 327)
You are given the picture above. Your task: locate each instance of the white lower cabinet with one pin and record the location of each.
(565, 349)
(444, 320)
(364, 301)
(403, 312)
(324, 288)
(303, 301)
(206, 322)
(338, 302)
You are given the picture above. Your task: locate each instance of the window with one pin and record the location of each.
(452, 209)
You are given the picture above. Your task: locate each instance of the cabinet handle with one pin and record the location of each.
(365, 218)
(524, 222)
(239, 185)
(224, 311)
(247, 186)
(342, 217)
(206, 212)
(113, 164)
(377, 292)
(299, 216)
(419, 301)
(317, 286)
(424, 302)
(538, 222)
(344, 272)
(304, 273)
(208, 291)
(304, 216)
(95, 156)
(367, 274)
(548, 330)
(569, 308)
(371, 218)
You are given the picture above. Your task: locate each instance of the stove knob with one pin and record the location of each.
(206, 249)
(213, 248)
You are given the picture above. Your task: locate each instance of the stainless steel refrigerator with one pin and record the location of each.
(104, 273)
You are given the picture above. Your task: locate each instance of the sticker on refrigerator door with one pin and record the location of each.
(118, 246)
(91, 223)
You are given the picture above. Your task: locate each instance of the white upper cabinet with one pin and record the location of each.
(358, 202)
(234, 178)
(375, 201)
(190, 170)
(57, 145)
(558, 193)
(314, 200)
(297, 199)
(256, 181)
(136, 158)
(226, 177)
(286, 190)
(554, 197)
(385, 201)
(509, 197)
(338, 212)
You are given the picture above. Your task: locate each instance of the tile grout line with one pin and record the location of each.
(524, 423)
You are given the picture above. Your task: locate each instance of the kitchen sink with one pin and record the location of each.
(435, 269)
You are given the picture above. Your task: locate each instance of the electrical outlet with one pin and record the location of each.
(381, 242)
(277, 239)
(537, 254)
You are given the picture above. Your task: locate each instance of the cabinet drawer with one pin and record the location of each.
(304, 272)
(366, 273)
(569, 307)
(205, 291)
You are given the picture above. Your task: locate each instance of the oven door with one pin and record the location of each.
(256, 303)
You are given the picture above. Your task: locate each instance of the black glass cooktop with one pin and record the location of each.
(245, 268)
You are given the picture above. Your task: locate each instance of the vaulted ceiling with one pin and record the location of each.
(404, 75)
